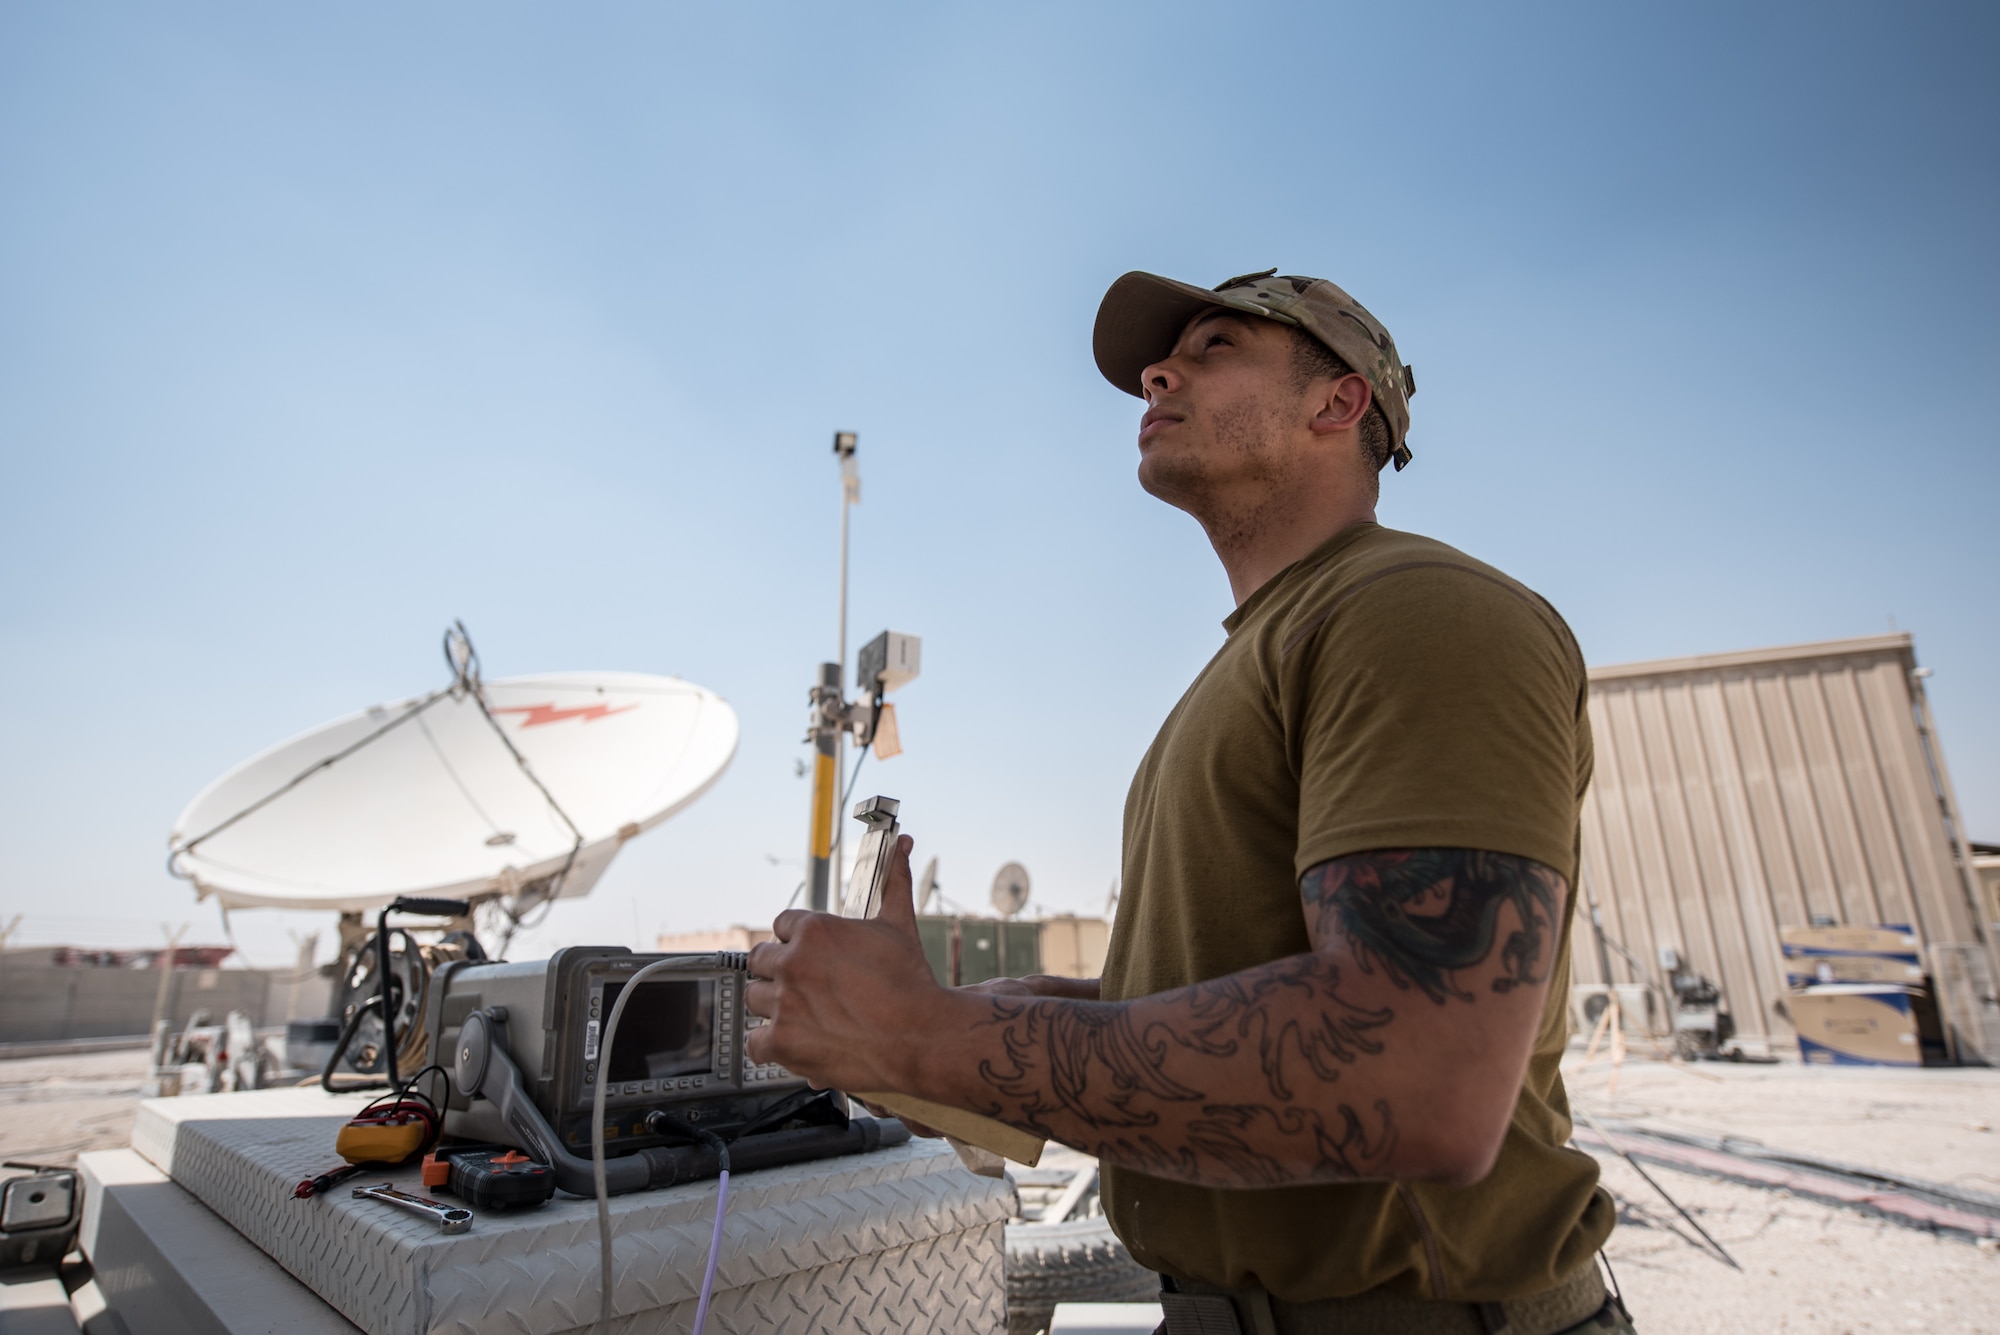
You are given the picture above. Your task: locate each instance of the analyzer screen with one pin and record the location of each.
(666, 1030)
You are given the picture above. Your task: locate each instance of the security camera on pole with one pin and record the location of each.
(885, 663)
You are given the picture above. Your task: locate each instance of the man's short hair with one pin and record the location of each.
(1313, 360)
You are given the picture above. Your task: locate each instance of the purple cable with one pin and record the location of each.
(714, 1251)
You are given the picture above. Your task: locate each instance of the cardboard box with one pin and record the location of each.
(1804, 969)
(1865, 1024)
(1887, 938)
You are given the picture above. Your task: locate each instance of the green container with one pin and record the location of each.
(978, 951)
(981, 948)
(935, 933)
(1023, 942)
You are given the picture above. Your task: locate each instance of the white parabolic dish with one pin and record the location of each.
(436, 806)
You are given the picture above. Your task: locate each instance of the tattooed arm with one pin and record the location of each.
(1394, 1048)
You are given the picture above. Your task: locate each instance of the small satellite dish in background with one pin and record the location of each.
(1010, 889)
(927, 885)
(1111, 900)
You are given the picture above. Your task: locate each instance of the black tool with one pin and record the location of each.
(499, 1178)
(312, 1186)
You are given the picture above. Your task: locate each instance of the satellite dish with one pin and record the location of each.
(1010, 889)
(438, 804)
(1111, 900)
(927, 885)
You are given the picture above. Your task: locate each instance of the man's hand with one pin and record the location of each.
(848, 1000)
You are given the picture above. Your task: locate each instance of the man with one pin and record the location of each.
(1320, 1072)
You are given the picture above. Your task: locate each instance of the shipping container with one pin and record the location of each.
(1739, 794)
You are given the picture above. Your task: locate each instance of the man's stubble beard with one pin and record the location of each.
(1236, 487)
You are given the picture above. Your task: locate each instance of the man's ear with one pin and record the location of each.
(1342, 404)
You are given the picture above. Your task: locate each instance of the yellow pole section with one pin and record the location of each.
(823, 795)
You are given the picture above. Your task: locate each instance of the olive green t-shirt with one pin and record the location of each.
(1387, 691)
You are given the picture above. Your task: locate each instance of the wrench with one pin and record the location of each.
(449, 1218)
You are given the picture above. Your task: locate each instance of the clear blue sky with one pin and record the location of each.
(323, 325)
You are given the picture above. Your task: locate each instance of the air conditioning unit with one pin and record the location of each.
(1641, 1015)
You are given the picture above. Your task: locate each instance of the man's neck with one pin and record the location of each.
(1252, 554)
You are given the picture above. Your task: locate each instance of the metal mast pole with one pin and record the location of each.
(828, 728)
(845, 444)
(850, 493)
(824, 730)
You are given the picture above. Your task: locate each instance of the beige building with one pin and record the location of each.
(1074, 947)
(1736, 794)
(1986, 861)
(701, 943)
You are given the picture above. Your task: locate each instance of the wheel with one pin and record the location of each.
(1079, 1260)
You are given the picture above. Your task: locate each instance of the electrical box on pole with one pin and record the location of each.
(887, 663)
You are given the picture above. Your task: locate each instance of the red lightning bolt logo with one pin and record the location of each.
(537, 715)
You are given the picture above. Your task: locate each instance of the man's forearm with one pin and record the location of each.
(1197, 1085)
(1394, 1051)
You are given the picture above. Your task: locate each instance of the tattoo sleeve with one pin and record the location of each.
(1424, 915)
(1315, 1068)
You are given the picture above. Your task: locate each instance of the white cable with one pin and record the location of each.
(603, 1325)
(714, 1252)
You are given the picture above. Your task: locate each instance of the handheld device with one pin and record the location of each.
(864, 900)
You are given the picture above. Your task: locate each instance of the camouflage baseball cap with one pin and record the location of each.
(1143, 314)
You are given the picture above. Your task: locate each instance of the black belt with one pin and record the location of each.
(1194, 1308)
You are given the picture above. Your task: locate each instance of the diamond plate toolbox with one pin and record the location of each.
(901, 1239)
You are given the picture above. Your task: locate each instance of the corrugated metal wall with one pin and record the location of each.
(1738, 793)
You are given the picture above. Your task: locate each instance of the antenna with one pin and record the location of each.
(927, 885)
(888, 661)
(1010, 889)
(844, 445)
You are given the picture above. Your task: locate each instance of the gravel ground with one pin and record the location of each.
(54, 1108)
(1941, 1123)
(1807, 1267)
